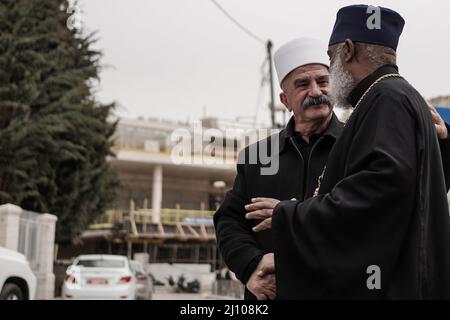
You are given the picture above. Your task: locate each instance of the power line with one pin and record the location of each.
(268, 61)
(251, 34)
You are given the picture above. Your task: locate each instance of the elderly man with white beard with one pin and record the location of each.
(378, 226)
(244, 241)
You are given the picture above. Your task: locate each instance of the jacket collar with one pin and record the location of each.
(365, 83)
(333, 130)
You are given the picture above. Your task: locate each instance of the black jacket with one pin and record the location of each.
(382, 203)
(240, 247)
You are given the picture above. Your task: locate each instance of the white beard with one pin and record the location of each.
(341, 82)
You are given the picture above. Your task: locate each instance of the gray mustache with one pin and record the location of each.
(311, 101)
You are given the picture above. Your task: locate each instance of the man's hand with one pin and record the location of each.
(261, 209)
(262, 281)
(266, 265)
(441, 129)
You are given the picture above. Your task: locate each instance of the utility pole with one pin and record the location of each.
(272, 101)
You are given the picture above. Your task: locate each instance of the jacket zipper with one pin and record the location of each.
(305, 184)
(303, 163)
(309, 160)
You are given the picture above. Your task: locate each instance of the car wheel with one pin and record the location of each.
(11, 291)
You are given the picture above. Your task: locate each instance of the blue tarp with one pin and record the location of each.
(444, 112)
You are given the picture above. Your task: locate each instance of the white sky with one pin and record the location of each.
(173, 59)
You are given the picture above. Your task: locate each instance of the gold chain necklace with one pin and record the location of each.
(389, 75)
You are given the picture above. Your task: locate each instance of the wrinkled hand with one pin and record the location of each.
(441, 129)
(261, 209)
(266, 265)
(262, 281)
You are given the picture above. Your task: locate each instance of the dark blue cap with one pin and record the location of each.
(367, 24)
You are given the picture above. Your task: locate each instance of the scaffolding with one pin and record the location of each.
(181, 236)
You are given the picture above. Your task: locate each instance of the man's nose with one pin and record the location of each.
(314, 90)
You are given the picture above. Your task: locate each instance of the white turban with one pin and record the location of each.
(297, 53)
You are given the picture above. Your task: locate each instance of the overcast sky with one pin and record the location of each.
(174, 59)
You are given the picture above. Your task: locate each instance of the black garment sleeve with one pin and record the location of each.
(234, 233)
(324, 245)
(251, 268)
(444, 145)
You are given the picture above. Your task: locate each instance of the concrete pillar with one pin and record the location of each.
(177, 213)
(157, 194)
(45, 276)
(144, 222)
(132, 205)
(146, 248)
(130, 249)
(145, 205)
(154, 253)
(9, 226)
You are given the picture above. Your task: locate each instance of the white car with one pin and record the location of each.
(98, 277)
(17, 281)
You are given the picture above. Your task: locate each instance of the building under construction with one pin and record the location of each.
(165, 207)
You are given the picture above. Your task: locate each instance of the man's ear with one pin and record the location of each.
(284, 101)
(348, 50)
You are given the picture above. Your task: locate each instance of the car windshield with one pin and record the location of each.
(102, 263)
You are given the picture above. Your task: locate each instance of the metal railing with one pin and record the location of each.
(230, 155)
(108, 220)
(173, 216)
(167, 216)
(173, 223)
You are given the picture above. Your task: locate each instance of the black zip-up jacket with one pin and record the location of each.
(240, 247)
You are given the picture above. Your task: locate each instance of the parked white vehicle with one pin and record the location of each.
(17, 281)
(99, 277)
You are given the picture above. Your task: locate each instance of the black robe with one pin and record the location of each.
(382, 202)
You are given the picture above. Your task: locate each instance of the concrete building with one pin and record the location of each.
(173, 177)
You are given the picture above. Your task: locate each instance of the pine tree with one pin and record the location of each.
(55, 137)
